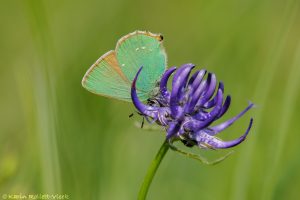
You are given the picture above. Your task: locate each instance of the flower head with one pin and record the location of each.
(188, 110)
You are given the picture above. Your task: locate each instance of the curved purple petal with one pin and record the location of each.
(212, 82)
(224, 125)
(219, 144)
(225, 107)
(142, 108)
(193, 77)
(196, 79)
(164, 81)
(213, 102)
(196, 125)
(178, 85)
(190, 107)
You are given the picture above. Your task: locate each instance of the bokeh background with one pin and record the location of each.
(58, 138)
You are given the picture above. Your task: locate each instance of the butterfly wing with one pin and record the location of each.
(106, 78)
(142, 49)
(112, 73)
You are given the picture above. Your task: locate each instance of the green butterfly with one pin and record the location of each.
(112, 74)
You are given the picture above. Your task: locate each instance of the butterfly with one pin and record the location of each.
(112, 74)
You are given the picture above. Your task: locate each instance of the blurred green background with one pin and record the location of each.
(58, 138)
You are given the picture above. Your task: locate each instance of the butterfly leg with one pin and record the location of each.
(143, 121)
(198, 157)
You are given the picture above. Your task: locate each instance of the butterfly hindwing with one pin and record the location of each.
(105, 78)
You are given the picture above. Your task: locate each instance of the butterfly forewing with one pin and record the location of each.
(142, 49)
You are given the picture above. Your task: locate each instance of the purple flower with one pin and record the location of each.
(188, 110)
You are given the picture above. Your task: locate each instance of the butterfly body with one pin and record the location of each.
(111, 75)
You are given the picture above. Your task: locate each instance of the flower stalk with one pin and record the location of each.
(152, 170)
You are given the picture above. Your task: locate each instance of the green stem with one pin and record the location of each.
(152, 170)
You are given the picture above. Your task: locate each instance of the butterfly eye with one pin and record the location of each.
(161, 37)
